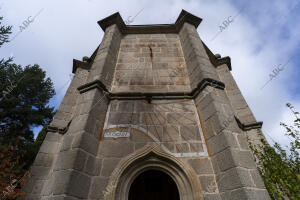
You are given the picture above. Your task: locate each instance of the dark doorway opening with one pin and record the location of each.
(153, 185)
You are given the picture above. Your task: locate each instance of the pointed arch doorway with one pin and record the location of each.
(153, 184)
(133, 170)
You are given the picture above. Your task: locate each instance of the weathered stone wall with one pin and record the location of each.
(45, 161)
(150, 63)
(198, 64)
(233, 164)
(103, 66)
(232, 160)
(65, 164)
(82, 163)
(238, 103)
(174, 125)
(235, 96)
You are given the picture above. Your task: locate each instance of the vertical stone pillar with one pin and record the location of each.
(240, 106)
(233, 163)
(198, 65)
(105, 61)
(67, 159)
(76, 162)
(40, 170)
(43, 165)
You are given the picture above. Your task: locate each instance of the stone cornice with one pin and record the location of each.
(164, 96)
(92, 85)
(207, 82)
(80, 64)
(149, 96)
(249, 126)
(217, 61)
(84, 65)
(59, 130)
(225, 60)
(149, 29)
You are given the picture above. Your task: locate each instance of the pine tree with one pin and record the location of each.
(24, 98)
(23, 102)
(5, 31)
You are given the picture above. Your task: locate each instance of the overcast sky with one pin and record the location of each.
(263, 35)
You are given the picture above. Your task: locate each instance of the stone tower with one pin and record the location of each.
(152, 114)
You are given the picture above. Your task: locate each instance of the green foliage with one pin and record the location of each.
(280, 168)
(24, 98)
(23, 102)
(4, 32)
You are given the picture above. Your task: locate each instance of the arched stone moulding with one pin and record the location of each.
(147, 158)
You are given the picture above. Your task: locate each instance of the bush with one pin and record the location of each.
(279, 168)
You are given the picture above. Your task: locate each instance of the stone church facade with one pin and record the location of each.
(152, 114)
